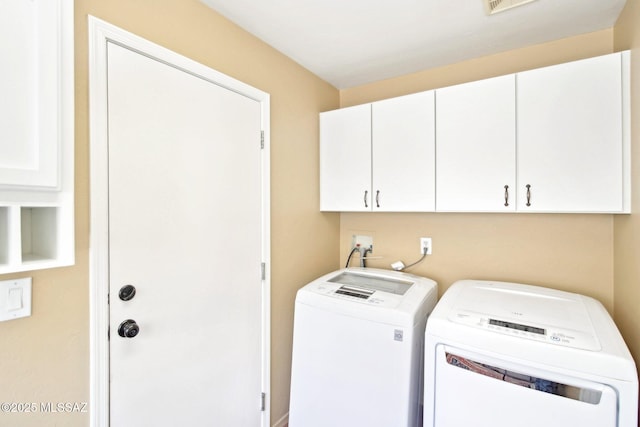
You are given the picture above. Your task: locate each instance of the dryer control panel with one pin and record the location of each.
(537, 332)
(525, 311)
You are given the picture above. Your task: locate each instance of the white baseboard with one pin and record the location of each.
(282, 422)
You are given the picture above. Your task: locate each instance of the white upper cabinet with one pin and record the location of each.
(572, 141)
(555, 139)
(35, 111)
(345, 159)
(379, 157)
(36, 135)
(476, 146)
(403, 159)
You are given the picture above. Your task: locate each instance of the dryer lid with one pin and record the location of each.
(526, 311)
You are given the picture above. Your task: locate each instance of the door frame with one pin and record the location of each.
(101, 33)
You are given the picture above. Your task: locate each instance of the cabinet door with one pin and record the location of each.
(570, 142)
(403, 160)
(476, 147)
(345, 159)
(36, 109)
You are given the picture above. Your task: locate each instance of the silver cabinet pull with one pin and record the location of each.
(377, 198)
(506, 195)
(528, 195)
(365, 198)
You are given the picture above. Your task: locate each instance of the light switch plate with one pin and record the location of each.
(15, 298)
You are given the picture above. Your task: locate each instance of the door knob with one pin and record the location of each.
(128, 329)
(127, 292)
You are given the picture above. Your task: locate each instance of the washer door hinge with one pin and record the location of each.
(263, 400)
(263, 271)
(262, 139)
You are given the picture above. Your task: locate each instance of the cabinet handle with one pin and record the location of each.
(506, 195)
(365, 198)
(528, 195)
(377, 198)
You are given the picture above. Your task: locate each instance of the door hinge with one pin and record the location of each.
(262, 139)
(263, 402)
(263, 271)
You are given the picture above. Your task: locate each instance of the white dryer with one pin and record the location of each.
(503, 354)
(357, 349)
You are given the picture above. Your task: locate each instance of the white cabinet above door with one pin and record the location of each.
(403, 140)
(476, 146)
(571, 138)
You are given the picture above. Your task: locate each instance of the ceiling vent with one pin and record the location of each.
(494, 6)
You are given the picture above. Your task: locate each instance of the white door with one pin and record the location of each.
(476, 146)
(403, 153)
(185, 229)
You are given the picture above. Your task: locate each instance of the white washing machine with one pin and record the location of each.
(357, 349)
(503, 354)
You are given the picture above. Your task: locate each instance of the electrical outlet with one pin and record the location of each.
(425, 243)
(365, 242)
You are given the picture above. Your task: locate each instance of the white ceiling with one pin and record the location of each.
(353, 42)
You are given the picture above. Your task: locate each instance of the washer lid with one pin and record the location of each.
(530, 312)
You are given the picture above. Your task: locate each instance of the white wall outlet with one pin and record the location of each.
(425, 243)
(365, 242)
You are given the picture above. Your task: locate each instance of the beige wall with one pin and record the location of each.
(627, 228)
(45, 357)
(570, 252)
(548, 250)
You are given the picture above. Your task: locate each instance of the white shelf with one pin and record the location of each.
(35, 237)
(39, 237)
